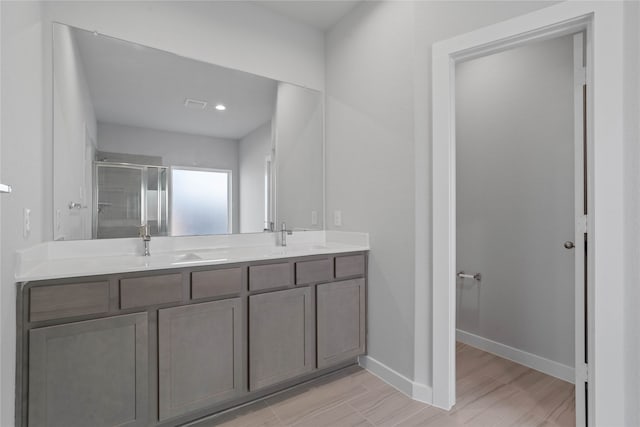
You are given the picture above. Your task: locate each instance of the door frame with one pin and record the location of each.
(603, 26)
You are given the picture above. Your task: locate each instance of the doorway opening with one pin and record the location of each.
(521, 195)
(602, 23)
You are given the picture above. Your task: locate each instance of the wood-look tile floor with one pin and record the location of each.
(491, 392)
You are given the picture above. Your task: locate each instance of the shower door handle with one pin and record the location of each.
(569, 245)
(5, 188)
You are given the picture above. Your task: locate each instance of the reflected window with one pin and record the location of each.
(200, 201)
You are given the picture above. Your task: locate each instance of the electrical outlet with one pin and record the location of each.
(337, 218)
(314, 217)
(26, 229)
(58, 220)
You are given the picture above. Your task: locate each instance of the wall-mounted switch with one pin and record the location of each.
(337, 218)
(314, 217)
(26, 230)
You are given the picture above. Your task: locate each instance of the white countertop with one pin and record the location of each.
(54, 260)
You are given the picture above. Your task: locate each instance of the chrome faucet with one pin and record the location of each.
(283, 234)
(143, 231)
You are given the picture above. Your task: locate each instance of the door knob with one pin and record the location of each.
(569, 245)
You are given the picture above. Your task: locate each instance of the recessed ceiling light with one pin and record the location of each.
(221, 107)
(195, 104)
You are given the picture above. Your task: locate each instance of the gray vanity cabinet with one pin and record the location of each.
(281, 336)
(91, 373)
(163, 348)
(341, 321)
(199, 356)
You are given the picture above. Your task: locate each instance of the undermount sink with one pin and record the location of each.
(173, 258)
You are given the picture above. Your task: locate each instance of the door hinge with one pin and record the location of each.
(582, 373)
(582, 223)
(580, 76)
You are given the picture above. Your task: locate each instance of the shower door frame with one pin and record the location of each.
(602, 24)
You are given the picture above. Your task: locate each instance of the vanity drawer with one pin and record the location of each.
(269, 276)
(350, 265)
(59, 301)
(214, 283)
(318, 270)
(150, 290)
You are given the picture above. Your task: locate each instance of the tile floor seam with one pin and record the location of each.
(282, 423)
(328, 408)
(314, 414)
(361, 414)
(407, 417)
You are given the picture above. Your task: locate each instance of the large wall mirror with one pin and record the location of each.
(143, 136)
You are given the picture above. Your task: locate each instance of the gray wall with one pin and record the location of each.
(632, 212)
(176, 149)
(378, 130)
(515, 198)
(369, 128)
(253, 150)
(25, 163)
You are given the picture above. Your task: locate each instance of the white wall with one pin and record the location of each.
(632, 211)
(25, 166)
(74, 121)
(378, 109)
(232, 34)
(253, 151)
(299, 148)
(515, 198)
(176, 149)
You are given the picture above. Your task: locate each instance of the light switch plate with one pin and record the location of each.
(314, 217)
(337, 218)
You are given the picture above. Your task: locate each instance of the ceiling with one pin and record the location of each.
(320, 14)
(140, 86)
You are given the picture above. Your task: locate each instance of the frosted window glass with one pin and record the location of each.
(200, 202)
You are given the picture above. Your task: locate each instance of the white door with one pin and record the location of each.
(581, 212)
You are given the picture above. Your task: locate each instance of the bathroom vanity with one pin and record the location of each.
(186, 335)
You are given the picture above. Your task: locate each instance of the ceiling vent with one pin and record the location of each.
(195, 104)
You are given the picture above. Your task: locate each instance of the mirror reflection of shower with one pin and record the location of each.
(128, 195)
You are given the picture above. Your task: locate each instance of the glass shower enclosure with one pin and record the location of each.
(127, 196)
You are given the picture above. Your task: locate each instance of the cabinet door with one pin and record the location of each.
(281, 336)
(92, 373)
(200, 355)
(341, 321)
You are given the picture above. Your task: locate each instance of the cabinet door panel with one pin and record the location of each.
(341, 321)
(200, 354)
(281, 336)
(92, 373)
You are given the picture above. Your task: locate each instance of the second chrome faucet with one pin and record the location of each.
(144, 232)
(283, 234)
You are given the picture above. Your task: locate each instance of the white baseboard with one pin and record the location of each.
(416, 391)
(529, 360)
